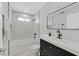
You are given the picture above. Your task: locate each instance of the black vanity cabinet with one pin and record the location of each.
(47, 49)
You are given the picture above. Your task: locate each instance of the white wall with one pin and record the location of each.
(48, 8)
(21, 29)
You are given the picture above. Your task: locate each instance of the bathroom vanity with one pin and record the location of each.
(52, 46)
(48, 49)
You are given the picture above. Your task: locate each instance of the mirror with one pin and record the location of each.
(65, 19)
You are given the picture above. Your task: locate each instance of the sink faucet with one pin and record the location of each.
(59, 34)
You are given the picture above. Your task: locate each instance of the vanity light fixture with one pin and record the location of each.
(23, 19)
(20, 19)
(28, 20)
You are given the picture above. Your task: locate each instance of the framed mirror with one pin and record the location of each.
(66, 18)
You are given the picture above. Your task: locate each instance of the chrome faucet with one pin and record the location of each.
(59, 34)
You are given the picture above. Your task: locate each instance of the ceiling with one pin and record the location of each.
(27, 7)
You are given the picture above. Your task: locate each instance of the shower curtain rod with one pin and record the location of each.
(61, 8)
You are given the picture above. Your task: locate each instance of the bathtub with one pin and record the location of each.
(22, 47)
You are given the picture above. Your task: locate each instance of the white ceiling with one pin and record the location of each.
(27, 7)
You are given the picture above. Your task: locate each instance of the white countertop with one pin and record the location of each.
(69, 45)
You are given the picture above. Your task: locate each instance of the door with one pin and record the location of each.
(4, 28)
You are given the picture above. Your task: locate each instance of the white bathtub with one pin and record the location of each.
(22, 47)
